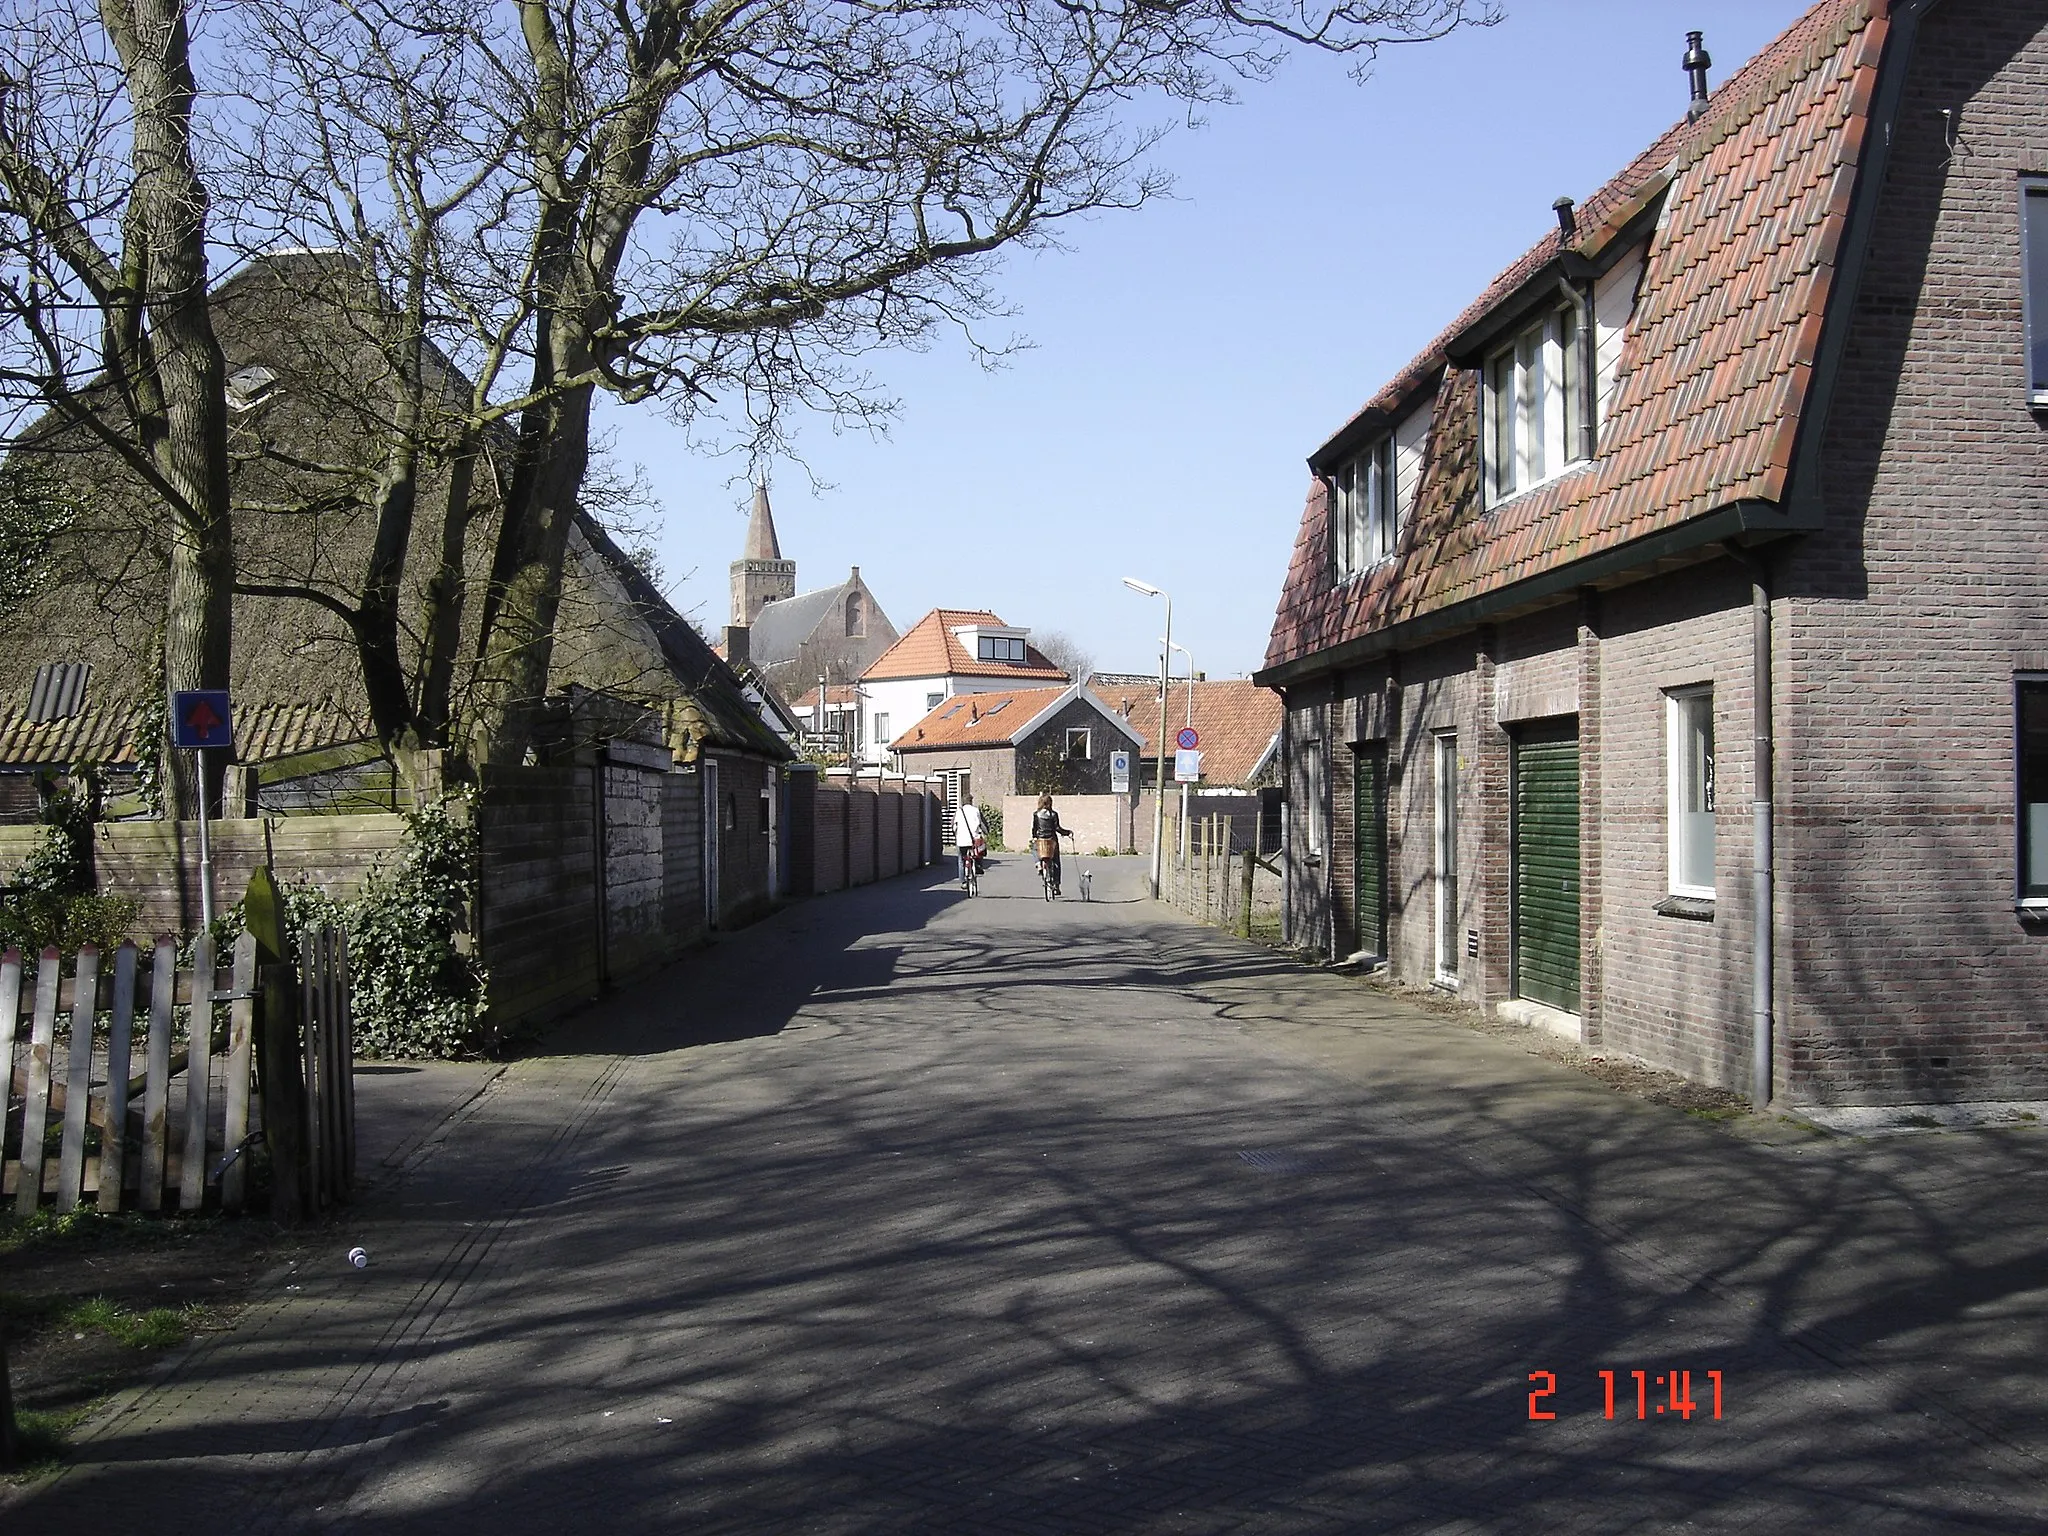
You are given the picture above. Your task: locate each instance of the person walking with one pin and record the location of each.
(968, 835)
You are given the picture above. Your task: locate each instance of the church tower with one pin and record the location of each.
(760, 576)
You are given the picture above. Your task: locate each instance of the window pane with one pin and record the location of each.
(2034, 788)
(1692, 800)
(1529, 408)
(1500, 441)
(2037, 288)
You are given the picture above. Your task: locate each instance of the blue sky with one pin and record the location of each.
(1186, 358)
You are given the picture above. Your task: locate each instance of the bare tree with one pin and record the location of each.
(720, 206)
(1065, 652)
(103, 281)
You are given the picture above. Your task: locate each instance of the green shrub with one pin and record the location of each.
(992, 824)
(415, 988)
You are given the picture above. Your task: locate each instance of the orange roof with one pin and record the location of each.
(1236, 721)
(1716, 361)
(929, 648)
(992, 719)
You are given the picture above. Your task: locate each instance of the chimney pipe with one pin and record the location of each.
(1697, 63)
(1567, 218)
(736, 637)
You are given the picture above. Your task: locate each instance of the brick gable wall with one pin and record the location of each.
(1910, 978)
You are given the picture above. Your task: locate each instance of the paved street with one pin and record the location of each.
(903, 1212)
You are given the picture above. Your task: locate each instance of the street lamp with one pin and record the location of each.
(1159, 792)
(1175, 645)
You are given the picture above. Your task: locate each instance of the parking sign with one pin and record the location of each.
(1119, 773)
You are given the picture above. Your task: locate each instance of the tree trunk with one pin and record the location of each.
(166, 237)
(441, 622)
(526, 577)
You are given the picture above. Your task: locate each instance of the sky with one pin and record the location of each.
(1187, 357)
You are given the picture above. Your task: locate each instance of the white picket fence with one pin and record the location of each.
(172, 1135)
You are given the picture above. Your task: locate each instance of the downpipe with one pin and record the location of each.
(1762, 866)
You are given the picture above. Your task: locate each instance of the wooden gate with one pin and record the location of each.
(171, 1130)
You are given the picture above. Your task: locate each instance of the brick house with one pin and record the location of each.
(1236, 721)
(1012, 741)
(947, 652)
(1665, 649)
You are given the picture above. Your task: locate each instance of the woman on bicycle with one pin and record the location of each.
(967, 835)
(1046, 833)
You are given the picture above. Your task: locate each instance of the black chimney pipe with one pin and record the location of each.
(1697, 63)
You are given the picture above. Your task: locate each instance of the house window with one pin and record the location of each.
(881, 729)
(1689, 759)
(2034, 243)
(2033, 754)
(933, 701)
(1535, 406)
(1077, 743)
(1312, 798)
(999, 648)
(1367, 510)
(856, 616)
(1446, 881)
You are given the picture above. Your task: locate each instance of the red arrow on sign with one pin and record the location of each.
(201, 719)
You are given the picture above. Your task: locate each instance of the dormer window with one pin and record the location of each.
(1535, 405)
(999, 648)
(1367, 509)
(250, 387)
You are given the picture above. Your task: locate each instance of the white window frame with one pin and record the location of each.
(1683, 777)
(1087, 742)
(1365, 493)
(1312, 781)
(1444, 875)
(882, 736)
(2032, 815)
(1533, 405)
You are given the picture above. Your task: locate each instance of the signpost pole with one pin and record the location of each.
(205, 845)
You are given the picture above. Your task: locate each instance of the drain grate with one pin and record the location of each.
(1268, 1160)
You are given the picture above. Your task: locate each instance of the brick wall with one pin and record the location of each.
(682, 848)
(1907, 975)
(743, 839)
(800, 831)
(1678, 989)
(833, 814)
(635, 896)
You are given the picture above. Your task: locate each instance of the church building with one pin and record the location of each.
(792, 639)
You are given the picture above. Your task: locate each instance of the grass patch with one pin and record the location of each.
(1921, 1122)
(41, 1439)
(158, 1328)
(1717, 1112)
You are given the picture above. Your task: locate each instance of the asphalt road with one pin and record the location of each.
(904, 1212)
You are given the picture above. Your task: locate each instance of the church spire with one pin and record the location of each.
(761, 541)
(760, 576)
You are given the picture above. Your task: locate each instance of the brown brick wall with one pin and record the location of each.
(1908, 977)
(1677, 989)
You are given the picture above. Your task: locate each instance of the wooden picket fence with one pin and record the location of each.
(174, 1135)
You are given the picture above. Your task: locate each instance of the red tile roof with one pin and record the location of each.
(1715, 366)
(929, 648)
(993, 719)
(1236, 721)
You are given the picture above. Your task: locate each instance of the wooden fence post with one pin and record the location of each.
(1244, 916)
(284, 1094)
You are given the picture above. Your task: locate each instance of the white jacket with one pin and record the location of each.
(967, 825)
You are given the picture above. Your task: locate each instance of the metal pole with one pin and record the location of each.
(205, 846)
(1159, 789)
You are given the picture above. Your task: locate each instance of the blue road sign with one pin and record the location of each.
(199, 718)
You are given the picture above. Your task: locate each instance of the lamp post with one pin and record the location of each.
(1172, 645)
(1159, 792)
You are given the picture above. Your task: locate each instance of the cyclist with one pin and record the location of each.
(1046, 833)
(967, 835)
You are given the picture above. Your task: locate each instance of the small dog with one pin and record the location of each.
(1086, 876)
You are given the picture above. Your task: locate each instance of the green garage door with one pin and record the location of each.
(1546, 865)
(1369, 840)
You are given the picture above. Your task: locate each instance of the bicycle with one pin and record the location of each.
(970, 871)
(1046, 876)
